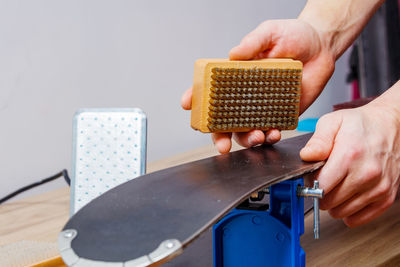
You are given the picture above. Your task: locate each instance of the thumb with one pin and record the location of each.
(254, 43)
(321, 143)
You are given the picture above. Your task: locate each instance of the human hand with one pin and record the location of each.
(362, 147)
(279, 39)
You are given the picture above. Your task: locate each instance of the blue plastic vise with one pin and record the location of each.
(268, 237)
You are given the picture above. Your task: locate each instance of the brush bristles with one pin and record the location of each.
(256, 89)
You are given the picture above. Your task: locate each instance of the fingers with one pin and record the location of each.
(321, 146)
(272, 136)
(342, 193)
(253, 44)
(222, 141)
(359, 179)
(369, 213)
(249, 139)
(333, 172)
(364, 180)
(321, 143)
(257, 137)
(186, 100)
(354, 205)
(368, 189)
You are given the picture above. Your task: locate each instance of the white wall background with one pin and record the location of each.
(59, 56)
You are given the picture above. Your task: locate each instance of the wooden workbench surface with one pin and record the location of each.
(373, 244)
(40, 218)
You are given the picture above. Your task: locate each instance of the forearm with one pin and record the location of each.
(339, 22)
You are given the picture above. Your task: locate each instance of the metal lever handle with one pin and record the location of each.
(316, 193)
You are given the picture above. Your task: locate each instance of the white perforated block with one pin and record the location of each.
(109, 148)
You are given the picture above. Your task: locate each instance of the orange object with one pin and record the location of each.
(53, 262)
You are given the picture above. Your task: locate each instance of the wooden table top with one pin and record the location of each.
(40, 218)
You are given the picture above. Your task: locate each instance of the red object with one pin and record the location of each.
(355, 90)
(354, 104)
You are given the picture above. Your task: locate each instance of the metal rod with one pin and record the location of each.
(316, 212)
(310, 192)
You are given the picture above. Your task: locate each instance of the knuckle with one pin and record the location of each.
(354, 152)
(325, 119)
(371, 174)
(374, 170)
(365, 179)
(265, 23)
(248, 37)
(389, 202)
(383, 189)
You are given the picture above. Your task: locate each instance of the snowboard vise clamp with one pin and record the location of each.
(266, 234)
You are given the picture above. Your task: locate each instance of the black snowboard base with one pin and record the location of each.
(151, 219)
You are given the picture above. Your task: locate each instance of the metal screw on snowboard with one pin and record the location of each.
(316, 193)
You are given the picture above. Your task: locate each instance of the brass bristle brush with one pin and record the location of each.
(239, 96)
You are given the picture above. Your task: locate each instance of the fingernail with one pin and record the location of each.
(252, 141)
(218, 146)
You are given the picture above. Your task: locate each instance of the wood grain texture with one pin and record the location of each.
(373, 244)
(38, 218)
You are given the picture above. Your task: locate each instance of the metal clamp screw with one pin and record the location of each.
(316, 193)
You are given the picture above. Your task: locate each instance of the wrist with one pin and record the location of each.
(325, 33)
(389, 103)
(338, 22)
